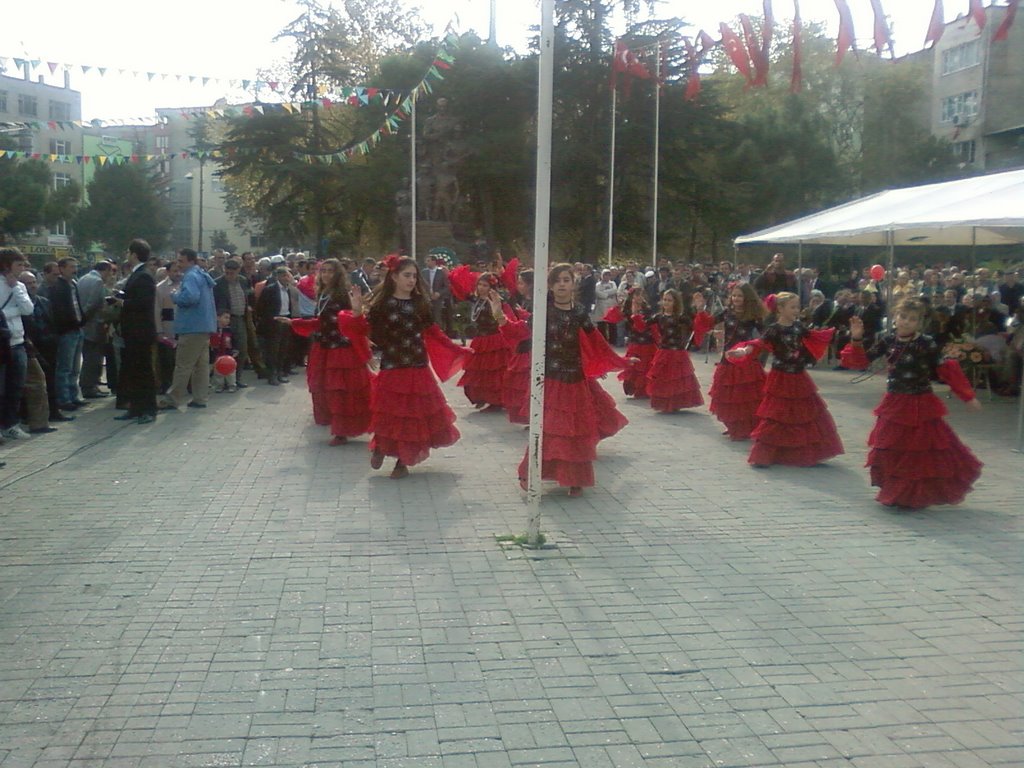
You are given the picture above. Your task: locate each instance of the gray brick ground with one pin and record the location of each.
(224, 589)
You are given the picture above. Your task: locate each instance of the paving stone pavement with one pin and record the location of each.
(222, 588)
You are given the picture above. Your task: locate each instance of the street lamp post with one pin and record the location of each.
(199, 248)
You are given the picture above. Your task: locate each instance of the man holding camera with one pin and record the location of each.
(775, 278)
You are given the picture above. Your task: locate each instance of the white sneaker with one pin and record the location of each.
(15, 433)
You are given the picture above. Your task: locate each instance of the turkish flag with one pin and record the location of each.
(754, 49)
(693, 81)
(937, 25)
(625, 62)
(883, 37)
(977, 12)
(1004, 29)
(735, 50)
(847, 39)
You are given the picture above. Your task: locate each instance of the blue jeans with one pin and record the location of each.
(12, 384)
(69, 366)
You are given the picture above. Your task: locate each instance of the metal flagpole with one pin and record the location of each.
(611, 176)
(412, 178)
(657, 137)
(541, 242)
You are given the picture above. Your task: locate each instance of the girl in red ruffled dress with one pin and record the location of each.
(794, 426)
(916, 459)
(641, 342)
(578, 413)
(408, 413)
(336, 372)
(517, 376)
(671, 380)
(484, 378)
(736, 390)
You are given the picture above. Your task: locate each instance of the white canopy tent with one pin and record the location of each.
(984, 210)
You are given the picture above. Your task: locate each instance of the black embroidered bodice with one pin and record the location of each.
(645, 336)
(328, 334)
(789, 354)
(737, 330)
(483, 318)
(398, 332)
(564, 360)
(675, 331)
(911, 364)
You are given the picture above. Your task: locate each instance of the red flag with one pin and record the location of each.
(1004, 29)
(706, 42)
(977, 12)
(846, 39)
(627, 63)
(796, 81)
(883, 37)
(937, 25)
(735, 50)
(693, 82)
(754, 50)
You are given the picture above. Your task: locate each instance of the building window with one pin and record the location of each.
(3, 101)
(162, 143)
(60, 227)
(28, 105)
(955, 109)
(257, 241)
(60, 147)
(60, 110)
(963, 151)
(960, 57)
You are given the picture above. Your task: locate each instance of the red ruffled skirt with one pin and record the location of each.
(409, 415)
(634, 378)
(671, 382)
(794, 426)
(736, 391)
(916, 459)
(516, 394)
(484, 375)
(576, 417)
(339, 384)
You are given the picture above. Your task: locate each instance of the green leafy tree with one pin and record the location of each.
(28, 198)
(123, 204)
(219, 239)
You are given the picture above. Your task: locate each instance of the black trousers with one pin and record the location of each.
(137, 383)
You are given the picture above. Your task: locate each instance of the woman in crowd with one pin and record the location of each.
(483, 381)
(577, 411)
(915, 459)
(736, 390)
(794, 426)
(605, 297)
(671, 380)
(336, 371)
(409, 414)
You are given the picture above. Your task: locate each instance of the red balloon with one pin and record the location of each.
(878, 272)
(225, 365)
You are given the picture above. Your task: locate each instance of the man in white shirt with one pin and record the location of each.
(14, 304)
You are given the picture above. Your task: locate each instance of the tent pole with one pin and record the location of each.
(800, 273)
(890, 236)
(974, 246)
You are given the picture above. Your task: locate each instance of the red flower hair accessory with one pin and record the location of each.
(769, 303)
(391, 261)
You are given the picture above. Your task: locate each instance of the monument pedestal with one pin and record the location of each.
(433, 234)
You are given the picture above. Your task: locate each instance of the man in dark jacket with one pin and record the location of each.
(137, 383)
(232, 293)
(277, 304)
(68, 319)
(39, 331)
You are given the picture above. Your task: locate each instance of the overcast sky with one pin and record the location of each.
(232, 39)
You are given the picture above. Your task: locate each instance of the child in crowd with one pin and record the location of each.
(222, 344)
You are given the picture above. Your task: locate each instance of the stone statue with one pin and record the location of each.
(403, 216)
(443, 150)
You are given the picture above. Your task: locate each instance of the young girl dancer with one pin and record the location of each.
(408, 412)
(916, 460)
(794, 426)
(577, 411)
(671, 381)
(484, 378)
(736, 390)
(517, 376)
(641, 342)
(336, 372)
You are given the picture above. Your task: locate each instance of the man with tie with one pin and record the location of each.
(438, 288)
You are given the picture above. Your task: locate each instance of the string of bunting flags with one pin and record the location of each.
(401, 101)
